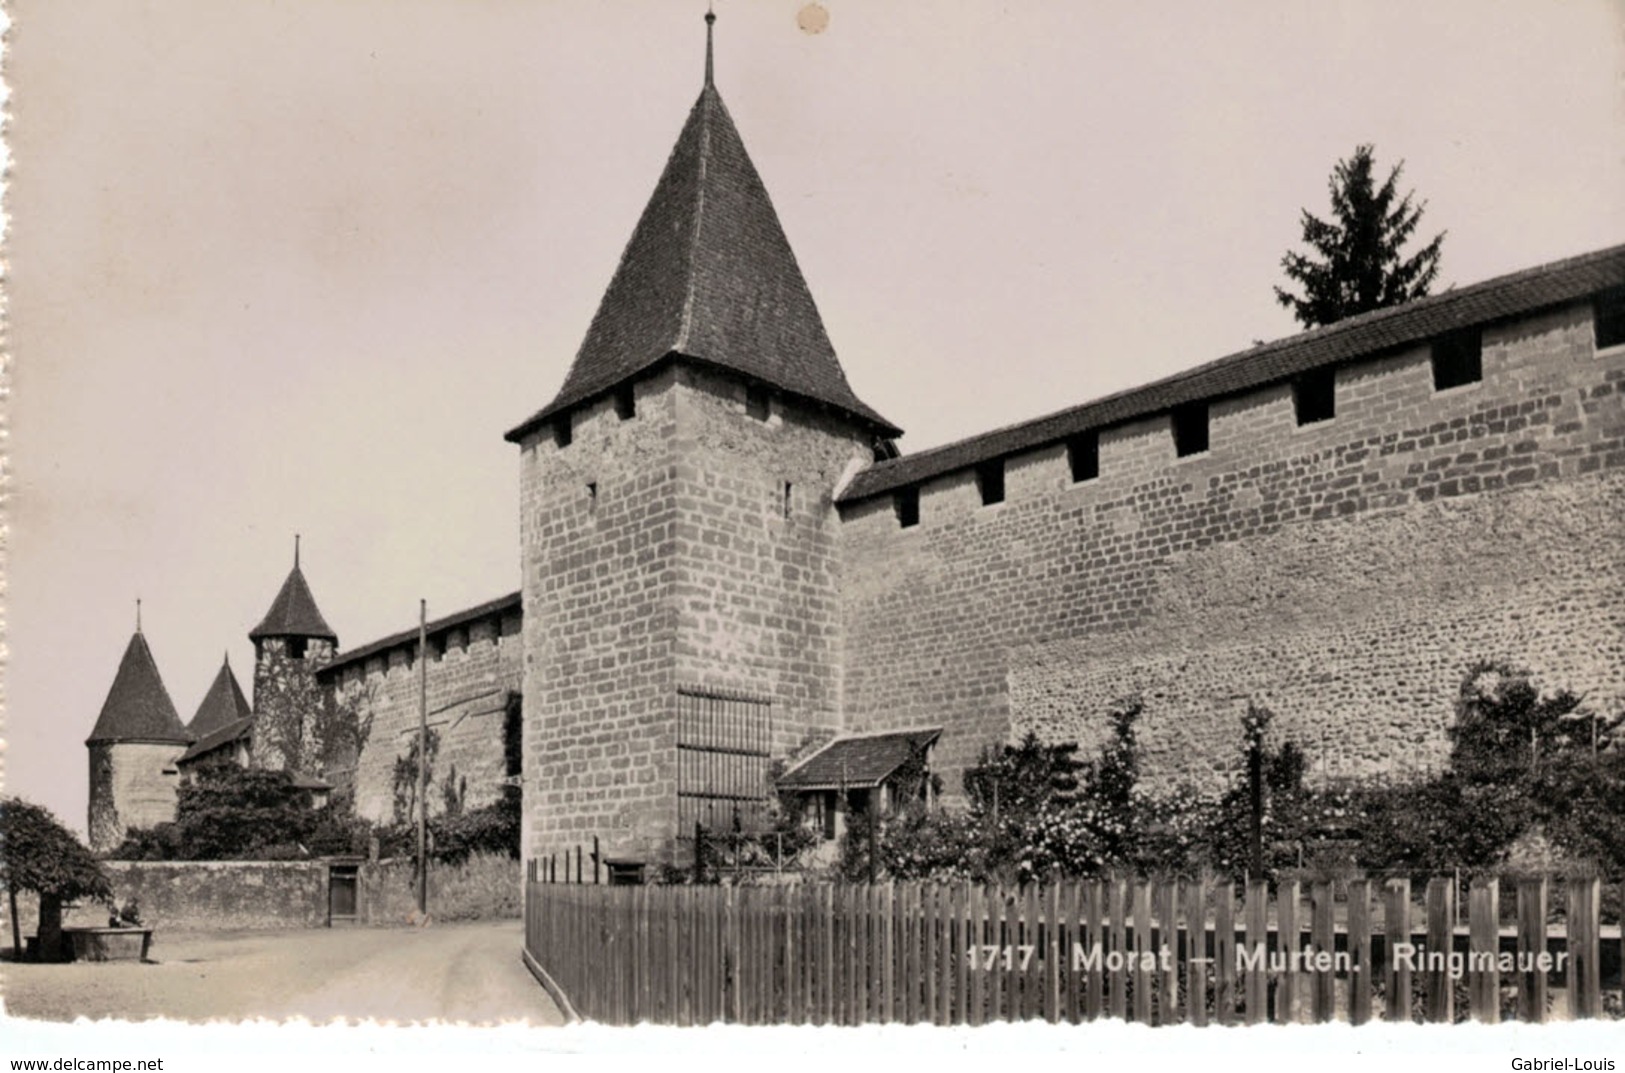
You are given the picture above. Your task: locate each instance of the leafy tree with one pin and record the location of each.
(1017, 779)
(38, 854)
(1358, 263)
(405, 776)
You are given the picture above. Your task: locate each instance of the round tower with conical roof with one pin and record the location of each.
(291, 643)
(133, 749)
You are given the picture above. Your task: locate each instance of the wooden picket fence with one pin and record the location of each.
(1152, 952)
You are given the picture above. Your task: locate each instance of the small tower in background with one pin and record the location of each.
(291, 644)
(223, 705)
(133, 749)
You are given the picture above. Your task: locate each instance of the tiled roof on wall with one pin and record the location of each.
(710, 277)
(858, 762)
(1364, 336)
(219, 738)
(510, 602)
(138, 707)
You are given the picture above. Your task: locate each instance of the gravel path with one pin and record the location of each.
(449, 972)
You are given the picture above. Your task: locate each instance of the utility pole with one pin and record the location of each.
(423, 758)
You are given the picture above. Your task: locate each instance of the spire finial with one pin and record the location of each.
(710, 21)
(296, 551)
(138, 614)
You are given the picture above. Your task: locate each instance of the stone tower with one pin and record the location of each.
(291, 644)
(133, 749)
(678, 541)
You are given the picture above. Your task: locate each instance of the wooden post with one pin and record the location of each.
(597, 861)
(1116, 912)
(1224, 952)
(1484, 946)
(976, 939)
(1196, 952)
(997, 979)
(1585, 970)
(1255, 989)
(1165, 899)
(1287, 938)
(1532, 943)
(1361, 974)
(1323, 938)
(961, 955)
(1094, 993)
(1142, 948)
(1396, 929)
(1441, 940)
(1054, 950)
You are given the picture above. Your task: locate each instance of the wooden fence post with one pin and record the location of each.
(1483, 948)
(1323, 939)
(1396, 932)
(1142, 944)
(1255, 990)
(1054, 949)
(1441, 911)
(1166, 898)
(1362, 973)
(1094, 999)
(981, 970)
(1196, 952)
(1584, 926)
(1117, 912)
(1288, 938)
(1532, 943)
(1224, 952)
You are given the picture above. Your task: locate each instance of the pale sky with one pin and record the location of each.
(287, 266)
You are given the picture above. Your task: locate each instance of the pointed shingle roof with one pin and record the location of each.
(709, 277)
(294, 613)
(222, 704)
(138, 707)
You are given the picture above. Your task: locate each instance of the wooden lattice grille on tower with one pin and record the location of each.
(723, 747)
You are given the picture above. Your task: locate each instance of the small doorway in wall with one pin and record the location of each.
(341, 894)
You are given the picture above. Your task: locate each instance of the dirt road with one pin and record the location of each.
(452, 972)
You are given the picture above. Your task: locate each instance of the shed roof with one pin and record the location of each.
(1363, 336)
(138, 708)
(859, 761)
(219, 738)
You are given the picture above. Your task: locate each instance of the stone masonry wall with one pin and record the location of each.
(472, 670)
(758, 588)
(1345, 572)
(132, 784)
(216, 894)
(598, 535)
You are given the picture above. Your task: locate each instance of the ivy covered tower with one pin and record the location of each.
(133, 749)
(678, 538)
(291, 644)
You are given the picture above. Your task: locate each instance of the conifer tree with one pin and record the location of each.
(1358, 261)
